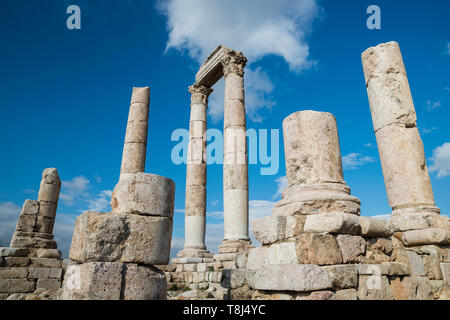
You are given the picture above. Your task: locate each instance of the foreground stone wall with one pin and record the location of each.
(31, 267)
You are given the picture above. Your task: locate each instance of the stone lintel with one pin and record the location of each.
(211, 71)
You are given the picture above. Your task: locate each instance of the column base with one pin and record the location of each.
(316, 198)
(417, 218)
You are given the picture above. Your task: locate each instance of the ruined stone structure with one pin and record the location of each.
(316, 246)
(223, 62)
(114, 254)
(31, 267)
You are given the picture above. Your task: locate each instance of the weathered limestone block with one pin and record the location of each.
(416, 264)
(372, 227)
(93, 281)
(196, 175)
(332, 222)
(348, 294)
(14, 252)
(50, 186)
(269, 229)
(352, 248)
(343, 276)
(144, 283)
(13, 273)
(314, 199)
(426, 236)
(236, 218)
(235, 176)
(32, 240)
(46, 263)
(283, 253)
(113, 237)
(16, 286)
(316, 248)
(292, 278)
(406, 177)
(45, 273)
(418, 218)
(134, 149)
(380, 244)
(432, 267)
(145, 194)
(195, 201)
(317, 295)
(375, 287)
(49, 284)
(417, 288)
(312, 148)
(445, 267)
(257, 257)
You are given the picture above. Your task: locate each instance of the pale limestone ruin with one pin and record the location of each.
(315, 245)
(114, 254)
(31, 266)
(223, 62)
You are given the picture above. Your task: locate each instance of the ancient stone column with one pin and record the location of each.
(35, 225)
(134, 149)
(195, 219)
(400, 147)
(314, 167)
(235, 167)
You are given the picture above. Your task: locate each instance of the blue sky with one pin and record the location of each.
(64, 94)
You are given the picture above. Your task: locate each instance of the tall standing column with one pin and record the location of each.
(235, 168)
(195, 206)
(402, 155)
(134, 149)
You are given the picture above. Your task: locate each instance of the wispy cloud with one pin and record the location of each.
(73, 190)
(424, 130)
(354, 161)
(101, 203)
(447, 50)
(433, 105)
(9, 213)
(382, 216)
(282, 184)
(441, 160)
(368, 145)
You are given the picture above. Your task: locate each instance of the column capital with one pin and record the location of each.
(234, 63)
(199, 93)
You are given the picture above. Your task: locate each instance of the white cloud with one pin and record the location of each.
(433, 105)
(368, 145)
(255, 27)
(258, 89)
(353, 161)
(215, 202)
(215, 214)
(282, 184)
(72, 190)
(102, 202)
(382, 216)
(9, 213)
(179, 211)
(427, 130)
(441, 160)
